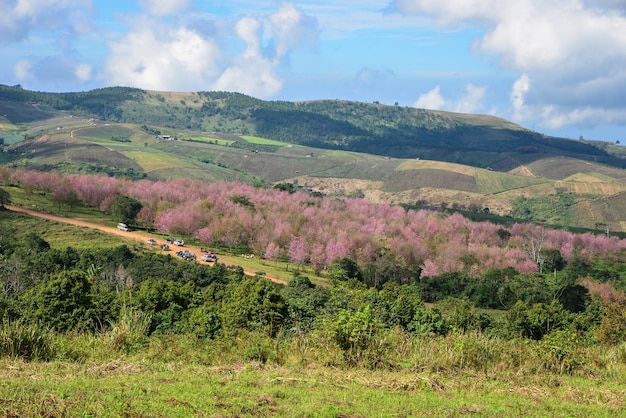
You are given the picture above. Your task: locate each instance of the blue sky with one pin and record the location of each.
(557, 67)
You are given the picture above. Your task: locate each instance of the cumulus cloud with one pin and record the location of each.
(62, 22)
(164, 59)
(21, 18)
(244, 56)
(470, 102)
(432, 100)
(250, 72)
(574, 51)
(518, 95)
(291, 28)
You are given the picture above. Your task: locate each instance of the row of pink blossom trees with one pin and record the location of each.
(317, 231)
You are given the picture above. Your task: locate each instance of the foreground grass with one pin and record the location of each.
(184, 376)
(132, 387)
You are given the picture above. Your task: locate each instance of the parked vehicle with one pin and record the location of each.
(179, 242)
(151, 241)
(209, 257)
(165, 247)
(123, 227)
(170, 240)
(186, 255)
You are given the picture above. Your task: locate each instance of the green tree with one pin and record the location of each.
(165, 301)
(551, 260)
(64, 302)
(535, 321)
(125, 209)
(253, 304)
(403, 300)
(5, 198)
(305, 301)
(357, 333)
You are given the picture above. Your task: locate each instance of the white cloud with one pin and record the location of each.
(83, 72)
(22, 69)
(518, 95)
(165, 7)
(245, 56)
(290, 28)
(432, 100)
(22, 17)
(470, 102)
(163, 59)
(250, 73)
(574, 51)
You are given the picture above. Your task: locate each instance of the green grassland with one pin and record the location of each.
(263, 141)
(122, 387)
(59, 235)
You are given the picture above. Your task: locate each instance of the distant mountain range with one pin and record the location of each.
(384, 153)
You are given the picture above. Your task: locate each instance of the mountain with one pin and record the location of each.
(384, 153)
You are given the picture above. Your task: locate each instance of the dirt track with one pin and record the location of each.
(137, 235)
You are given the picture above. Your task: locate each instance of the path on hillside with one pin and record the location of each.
(138, 235)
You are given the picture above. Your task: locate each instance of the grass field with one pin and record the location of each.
(491, 182)
(182, 376)
(151, 161)
(105, 132)
(264, 141)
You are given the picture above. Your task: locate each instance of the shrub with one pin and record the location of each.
(130, 332)
(19, 339)
(561, 352)
(358, 334)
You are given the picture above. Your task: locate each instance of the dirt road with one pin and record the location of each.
(137, 235)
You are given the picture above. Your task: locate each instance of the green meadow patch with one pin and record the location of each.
(264, 141)
(58, 235)
(492, 182)
(105, 132)
(209, 139)
(151, 160)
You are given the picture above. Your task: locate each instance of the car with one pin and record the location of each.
(186, 255)
(151, 241)
(209, 257)
(170, 240)
(123, 227)
(165, 247)
(179, 242)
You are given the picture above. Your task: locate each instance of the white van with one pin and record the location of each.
(123, 227)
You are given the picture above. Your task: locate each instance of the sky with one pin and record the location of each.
(557, 67)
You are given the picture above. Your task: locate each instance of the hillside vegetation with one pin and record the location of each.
(418, 313)
(390, 154)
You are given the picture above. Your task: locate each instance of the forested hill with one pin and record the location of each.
(401, 132)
